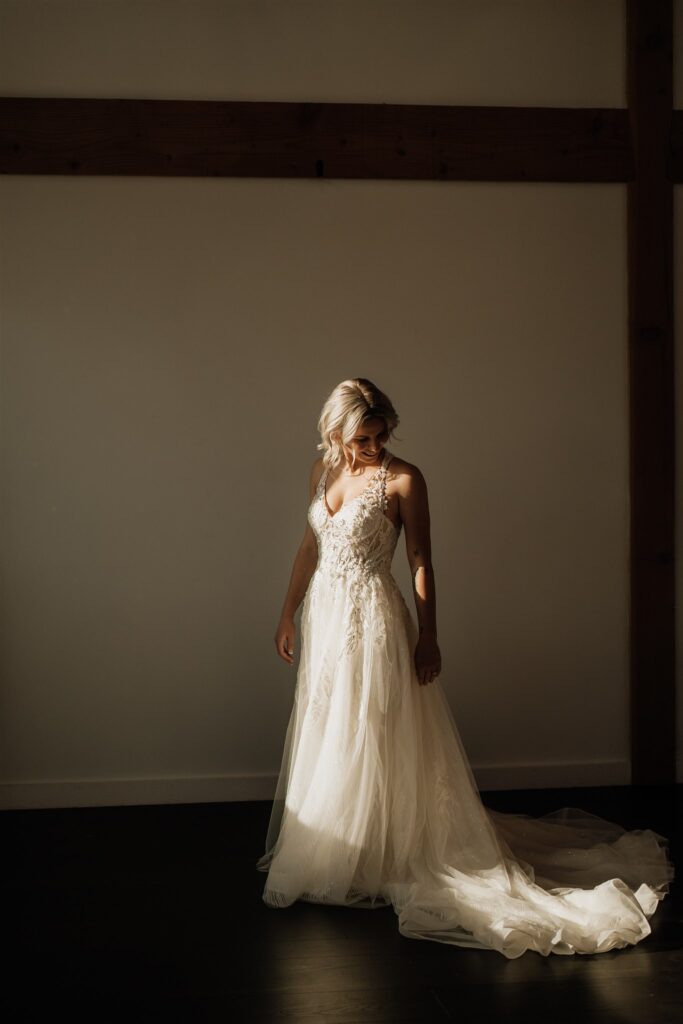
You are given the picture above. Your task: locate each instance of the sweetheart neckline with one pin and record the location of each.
(331, 517)
(322, 484)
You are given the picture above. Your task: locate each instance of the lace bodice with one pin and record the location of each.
(359, 540)
(355, 549)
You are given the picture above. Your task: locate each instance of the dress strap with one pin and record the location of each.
(383, 481)
(322, 477)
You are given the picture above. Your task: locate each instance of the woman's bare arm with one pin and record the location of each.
(303, 568)
(414, 510)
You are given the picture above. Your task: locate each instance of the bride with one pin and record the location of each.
(376, 804)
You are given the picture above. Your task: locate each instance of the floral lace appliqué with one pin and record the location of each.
(355, 549)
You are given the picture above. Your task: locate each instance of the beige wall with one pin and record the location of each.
(383, 51)
(167, 345)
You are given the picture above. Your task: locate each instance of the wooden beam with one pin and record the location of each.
(313, 140)
(651, 373)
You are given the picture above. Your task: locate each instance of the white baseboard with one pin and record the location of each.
(231, 788)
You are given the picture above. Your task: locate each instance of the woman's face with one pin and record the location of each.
(366, 443)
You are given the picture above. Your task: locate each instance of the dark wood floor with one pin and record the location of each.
(155, 914)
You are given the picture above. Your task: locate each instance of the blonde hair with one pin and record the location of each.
(350, 404)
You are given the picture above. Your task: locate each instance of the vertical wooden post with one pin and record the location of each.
(649, 32)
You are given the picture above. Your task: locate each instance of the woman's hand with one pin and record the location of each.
(427, 658)
(284, 638)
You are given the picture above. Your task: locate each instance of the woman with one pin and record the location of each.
(376, 803)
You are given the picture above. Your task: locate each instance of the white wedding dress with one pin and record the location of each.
(376, 803)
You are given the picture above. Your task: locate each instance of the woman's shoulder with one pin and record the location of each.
(406, 474)
(398, 465)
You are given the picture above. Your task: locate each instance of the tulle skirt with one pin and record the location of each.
(376, 805)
